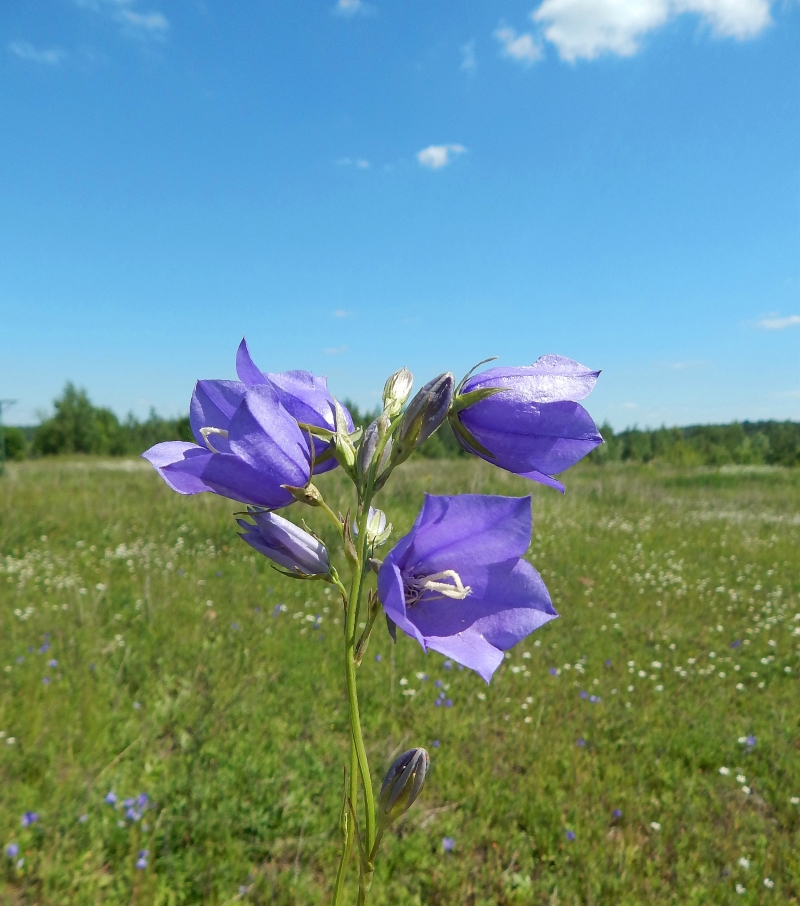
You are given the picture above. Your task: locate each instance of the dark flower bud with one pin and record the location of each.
(396, 391)
(402, 785)
(423, 416)
(369, 446)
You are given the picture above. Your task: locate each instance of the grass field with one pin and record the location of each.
(644, 748)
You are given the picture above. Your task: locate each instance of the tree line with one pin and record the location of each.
(78, 426)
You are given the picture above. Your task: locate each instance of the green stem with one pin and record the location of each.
(347, 846)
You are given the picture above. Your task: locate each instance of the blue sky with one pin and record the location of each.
(357, 186)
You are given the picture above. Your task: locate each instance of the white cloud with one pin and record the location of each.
(523, 48)
(26, 51)
(468, 61)
(773, 322)
(134, 22)
(359, 163)
(585, 29)
(154, 23)
(342, 313)
(434, 157)
(335, 350)
(629, 406)
(352, 8)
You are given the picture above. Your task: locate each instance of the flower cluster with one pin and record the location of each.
(458, 582)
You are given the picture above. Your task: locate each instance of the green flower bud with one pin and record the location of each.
(396, 391)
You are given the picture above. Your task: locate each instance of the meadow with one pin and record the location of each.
(173, 721)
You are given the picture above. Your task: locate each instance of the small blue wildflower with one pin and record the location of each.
(218, 573)
(736, 643)
(750, 741)
(181, 572)
(132, 815)
(584, 693)
(553, 672)
(608, 662)
(616, 813)
(12, 850)
(448, 665)
(448, 703)
(256, 609)
(28, 819)
(436, 743)
(46, 681)
(277, 609)
(235, 626)
(378, 658)
(141, 862)
(45, 648)
(110, 798)
(570, 835)
(438, 703)
(20, 659)
(52, 663)
(128, 803)
(438, 684)
(581, 742)
(448, 844)
(142, 800)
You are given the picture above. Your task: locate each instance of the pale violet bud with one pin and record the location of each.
(369, 446)
(285, 544)
(423, 416)
(378, 530)
(402, 785)
(396, 391)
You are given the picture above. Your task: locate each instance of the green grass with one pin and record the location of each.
(174, 678)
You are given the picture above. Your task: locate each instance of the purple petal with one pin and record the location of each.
(213, 406)
(249, 373)
(467, 529)
(181, 465)
(471, 649)
(551, 378)
(266, 437)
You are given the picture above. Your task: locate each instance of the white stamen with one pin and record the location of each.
(206, 431)
(446, 584)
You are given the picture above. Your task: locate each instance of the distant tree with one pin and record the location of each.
(16, 448)
(79, 427)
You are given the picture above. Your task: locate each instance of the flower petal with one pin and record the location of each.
(471, 649)
(551, 378)
(453, 532)
(213, 405)
(267, 438)
(249, 373)
(180, 464)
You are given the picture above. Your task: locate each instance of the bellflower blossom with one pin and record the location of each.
(285, 544)
(457, 582)
(304, 396)
(248, 447)
(532, 423)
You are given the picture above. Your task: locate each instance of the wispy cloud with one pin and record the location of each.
(359, 163)
(523, 48)
(469, 62)
(353, 8)
(26, 51)
(133, 21)
(434, 157)
(586, 29)
(774, 322)
(341, 313)
(335, 350)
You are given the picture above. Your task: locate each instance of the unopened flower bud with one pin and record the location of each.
(423, 416)
(369, 445)
(378, 530)
(396, 391)
(402, 785)
(286, 544)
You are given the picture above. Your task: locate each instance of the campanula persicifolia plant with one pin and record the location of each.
(458, 582)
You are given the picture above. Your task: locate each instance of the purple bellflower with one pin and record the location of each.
(248, 447)
(286, 544)
(527, 420)
(303, 395)
(457, 582)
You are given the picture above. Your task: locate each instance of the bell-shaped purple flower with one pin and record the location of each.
(248, 446)
(532, 423)
(304, 396)
(286, 544)
(457, 582)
